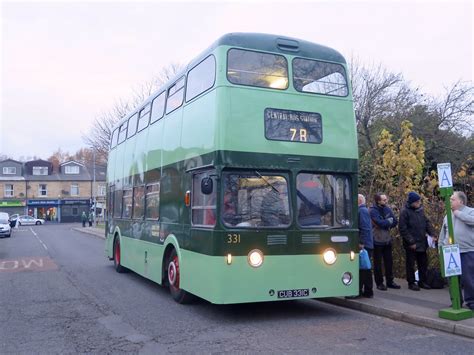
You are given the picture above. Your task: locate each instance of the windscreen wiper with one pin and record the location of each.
(267, 182)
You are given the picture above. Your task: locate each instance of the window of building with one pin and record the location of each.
(139, 202)
(158, 109)
(8, 192)
(74, 190)
(319, 77)
(132, 125)
(101, 190)
(42, 190)
(144, 117)
(201, 78)
(127, 203)
(40, 170)
(175, 96)
(75, 211)
(9, 170)
(257, 69)
(203, 206)
(152, 201)
(72, 169)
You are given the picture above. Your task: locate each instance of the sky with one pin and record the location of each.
(65, 63)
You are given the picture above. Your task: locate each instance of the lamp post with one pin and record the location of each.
(94, 187)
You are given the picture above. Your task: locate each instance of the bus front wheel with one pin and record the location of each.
(118, 267)
(174, 275)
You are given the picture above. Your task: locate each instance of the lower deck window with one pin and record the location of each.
(254, 200)
(203, 207)
(323, 200)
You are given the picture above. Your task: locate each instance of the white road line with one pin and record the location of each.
(36, 235)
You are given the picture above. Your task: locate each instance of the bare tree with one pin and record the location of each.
(378, 93)
(455, 110)
(98, 137)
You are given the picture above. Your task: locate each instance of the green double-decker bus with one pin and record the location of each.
(237, 180)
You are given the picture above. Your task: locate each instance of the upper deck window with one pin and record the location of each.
(201, 78)
(123, 132)
(158, 109)
(175, 96)
(257, 69)
(144, 117)
(132, 125)
(113, 141)
(319, 77)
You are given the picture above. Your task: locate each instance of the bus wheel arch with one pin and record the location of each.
(117, 255)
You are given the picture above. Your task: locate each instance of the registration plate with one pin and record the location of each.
(302, 292)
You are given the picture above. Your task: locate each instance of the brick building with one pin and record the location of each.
(57, 195)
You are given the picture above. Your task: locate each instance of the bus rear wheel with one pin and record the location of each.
(118, 267)
(174, 275)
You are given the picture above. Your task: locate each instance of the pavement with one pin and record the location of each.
(416, 307)
(95, 231)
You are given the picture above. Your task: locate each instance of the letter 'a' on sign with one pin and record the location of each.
(444, 175)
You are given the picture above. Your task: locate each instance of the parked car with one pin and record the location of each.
(5, 229)
(13, 219)
(28, 220)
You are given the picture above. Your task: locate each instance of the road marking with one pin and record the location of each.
(36, 235)
(28, 264)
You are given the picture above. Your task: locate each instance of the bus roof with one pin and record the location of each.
(258, 41)
(282, 44)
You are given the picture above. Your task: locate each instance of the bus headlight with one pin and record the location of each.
(329, 256)
(352, 257)
(255, 258)
(347, 278)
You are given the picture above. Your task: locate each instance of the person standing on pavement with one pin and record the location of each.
(463, 229)
(90, 219)
(414, 227)
(83, 219)
(383, 219)
(366, 241)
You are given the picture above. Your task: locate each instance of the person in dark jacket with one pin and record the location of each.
(383, 219)
(366, 241)
(414, 227)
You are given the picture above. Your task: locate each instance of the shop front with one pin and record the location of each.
(49, 210)
(71, 210)
(12, 206)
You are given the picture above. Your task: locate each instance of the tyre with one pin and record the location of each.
(38, 223)
(174, 276)
(117, 257)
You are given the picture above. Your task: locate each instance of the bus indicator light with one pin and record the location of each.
(352, 255)
(229, 259)
(187, 198)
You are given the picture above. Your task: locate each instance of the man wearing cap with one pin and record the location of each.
(414, 226)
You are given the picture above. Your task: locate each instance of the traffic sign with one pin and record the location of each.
(452, 260)
(444, 175)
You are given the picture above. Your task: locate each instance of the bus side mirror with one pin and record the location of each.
(206, 186)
